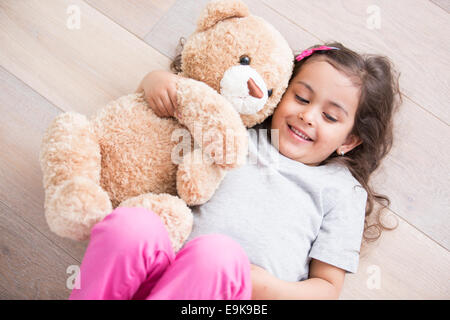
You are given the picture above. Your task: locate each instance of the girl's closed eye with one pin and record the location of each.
(327, 116)
(301, 99)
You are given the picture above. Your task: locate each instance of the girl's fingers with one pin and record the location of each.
(154, 106)
(173, 98)
(168, 104)
(162, 107)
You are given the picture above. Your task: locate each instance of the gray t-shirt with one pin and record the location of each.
(283, 212)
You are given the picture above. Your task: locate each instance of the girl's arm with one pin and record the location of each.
(325, 282)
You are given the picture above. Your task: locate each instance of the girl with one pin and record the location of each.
(284, 229)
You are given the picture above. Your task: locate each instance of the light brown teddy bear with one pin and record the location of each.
(236, 68)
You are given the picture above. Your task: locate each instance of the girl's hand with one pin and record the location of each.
(159, 89)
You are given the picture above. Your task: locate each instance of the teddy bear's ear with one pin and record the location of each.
(219, 10)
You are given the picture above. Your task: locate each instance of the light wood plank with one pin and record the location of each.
(181, 19)
(178, 22)
(24, 117)
(414, 34)
(137, 16)
(415, 173)
(408, 264)
(444, 4)
(31, 266)
(77, 70)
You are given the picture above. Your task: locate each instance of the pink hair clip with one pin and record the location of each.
(308, 52)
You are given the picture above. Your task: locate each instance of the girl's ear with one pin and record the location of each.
(350, 143)
(219, 10)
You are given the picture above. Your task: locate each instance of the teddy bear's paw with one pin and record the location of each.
(75, 206)
(227, 150)
(213, 123)
(197, 179)
(175, 214)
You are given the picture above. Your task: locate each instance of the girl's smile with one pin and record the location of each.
(299, 134)
(316, 114)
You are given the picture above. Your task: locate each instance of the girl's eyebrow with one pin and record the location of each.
(307, 86)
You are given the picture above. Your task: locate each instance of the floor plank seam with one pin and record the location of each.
(37, 230)
(110, 18)
(439, 6)
(423, 108)
(162, 18)
(124, 28)
(414, 227)
(31, 88)
(294, 23)
(161, 53)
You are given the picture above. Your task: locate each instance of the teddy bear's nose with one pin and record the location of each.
(253, 89)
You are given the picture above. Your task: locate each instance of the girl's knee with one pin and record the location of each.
(129, 226)
(222, 264)
(219, 252)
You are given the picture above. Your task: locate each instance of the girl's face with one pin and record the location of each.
(320, 103)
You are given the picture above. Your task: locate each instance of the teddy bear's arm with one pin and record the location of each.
(212, 121)
(198, 177)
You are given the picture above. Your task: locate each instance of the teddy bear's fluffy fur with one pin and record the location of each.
(124, 154)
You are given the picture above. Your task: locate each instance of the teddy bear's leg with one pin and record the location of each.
(198, 178)
(71, 163)
(175, 214)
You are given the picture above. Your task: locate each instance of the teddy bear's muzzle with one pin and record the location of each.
(244, 88)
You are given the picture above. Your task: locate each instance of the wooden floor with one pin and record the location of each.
(47, 67)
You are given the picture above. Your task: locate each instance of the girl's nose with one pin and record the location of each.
(306, 117)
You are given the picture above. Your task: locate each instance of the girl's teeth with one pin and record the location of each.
(300, 134)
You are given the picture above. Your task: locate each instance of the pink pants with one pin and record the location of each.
(130, 256)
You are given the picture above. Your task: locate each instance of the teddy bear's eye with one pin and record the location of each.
(244, 60)
(270, 92)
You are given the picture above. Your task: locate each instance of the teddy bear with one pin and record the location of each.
(235, 69)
